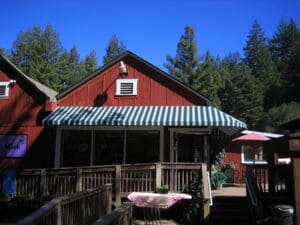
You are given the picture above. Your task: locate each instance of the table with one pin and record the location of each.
(152, 202)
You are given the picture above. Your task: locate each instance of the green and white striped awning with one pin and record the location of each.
(189, 116)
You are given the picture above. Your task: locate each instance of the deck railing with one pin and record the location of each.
(50, 183)
(119, 216)
(76, 209)
(272, 179)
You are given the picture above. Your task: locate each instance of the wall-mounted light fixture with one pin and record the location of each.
(12, 83)
(122, 69)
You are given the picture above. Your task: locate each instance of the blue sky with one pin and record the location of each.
(151, 29)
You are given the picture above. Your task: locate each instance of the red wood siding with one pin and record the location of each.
(233, 154)
(153, 89)
(19, 115)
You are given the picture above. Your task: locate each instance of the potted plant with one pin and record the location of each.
(163, 189)
(218, 179)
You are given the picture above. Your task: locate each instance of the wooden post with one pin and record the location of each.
(78, 179)
(118, 185)
(206, 194)
(158, 174)
(59, 215)
(42, 185)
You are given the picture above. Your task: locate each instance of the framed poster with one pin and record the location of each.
(13, 146)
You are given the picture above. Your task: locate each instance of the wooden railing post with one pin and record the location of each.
(118, 185)
(78, 179)
(59, 216)
(43, 185)
(158, 174)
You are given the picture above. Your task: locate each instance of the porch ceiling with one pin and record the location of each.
(182, 116)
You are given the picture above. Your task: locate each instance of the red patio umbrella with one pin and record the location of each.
(252, 139)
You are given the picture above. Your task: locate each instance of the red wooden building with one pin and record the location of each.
(130, 111)
(22, 108)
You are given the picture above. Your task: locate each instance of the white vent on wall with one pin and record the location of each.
(4, 90)
(126, 87)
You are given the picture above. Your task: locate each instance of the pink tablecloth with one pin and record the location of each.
(154, 200)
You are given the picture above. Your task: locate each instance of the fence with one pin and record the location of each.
(272, 179)
(119, 216)
(77, 209)
(49, 183)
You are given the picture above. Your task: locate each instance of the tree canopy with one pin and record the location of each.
(114, 49)
(259, 88)
(40, 54)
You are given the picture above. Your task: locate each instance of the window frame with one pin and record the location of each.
(4, 84)
(251, 162)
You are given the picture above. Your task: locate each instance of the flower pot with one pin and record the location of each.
(162, 191)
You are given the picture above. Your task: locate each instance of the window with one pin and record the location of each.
(126, 87)
(4, 90)
(76, 148)
(252, 155)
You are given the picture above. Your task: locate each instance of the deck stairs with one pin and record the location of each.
(230, 210)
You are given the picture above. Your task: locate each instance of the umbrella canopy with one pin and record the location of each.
(251, 139)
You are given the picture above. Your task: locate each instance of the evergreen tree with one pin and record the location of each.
(73, 65)
(185, 65)
(285, 50)
(259, 61)
(2, 51)
(114, 49)
(37, 52)
(210, 79)
(242, 94)
(276, 116)
(199, 73)
(89, 64)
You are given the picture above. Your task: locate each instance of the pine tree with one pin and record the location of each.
(37, 52)
(185, 65)
(259, 61)
(210, 79)
(114, 49)
(285, 50)
(89, 64)
(242, 94)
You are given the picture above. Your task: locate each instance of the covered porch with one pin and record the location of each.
(88, 136)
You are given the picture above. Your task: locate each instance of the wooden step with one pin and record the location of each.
(229, 210)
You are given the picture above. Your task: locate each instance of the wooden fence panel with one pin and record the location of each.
(76, 209)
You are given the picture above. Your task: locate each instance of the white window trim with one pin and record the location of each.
(118, 86)
(6, 93)
(244, 161)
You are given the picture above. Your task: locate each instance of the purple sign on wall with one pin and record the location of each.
(13, 145)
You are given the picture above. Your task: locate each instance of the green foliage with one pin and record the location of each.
(218, 179)
(185, 66)
(195, 189)
(276, 116)
(285, 51)
(165, 186)
(188, 67)
(114, 49)
(40, 55)
(242, 95)
(259, 61)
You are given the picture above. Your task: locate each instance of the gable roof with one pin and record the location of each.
(139, 59)
(36, 87)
